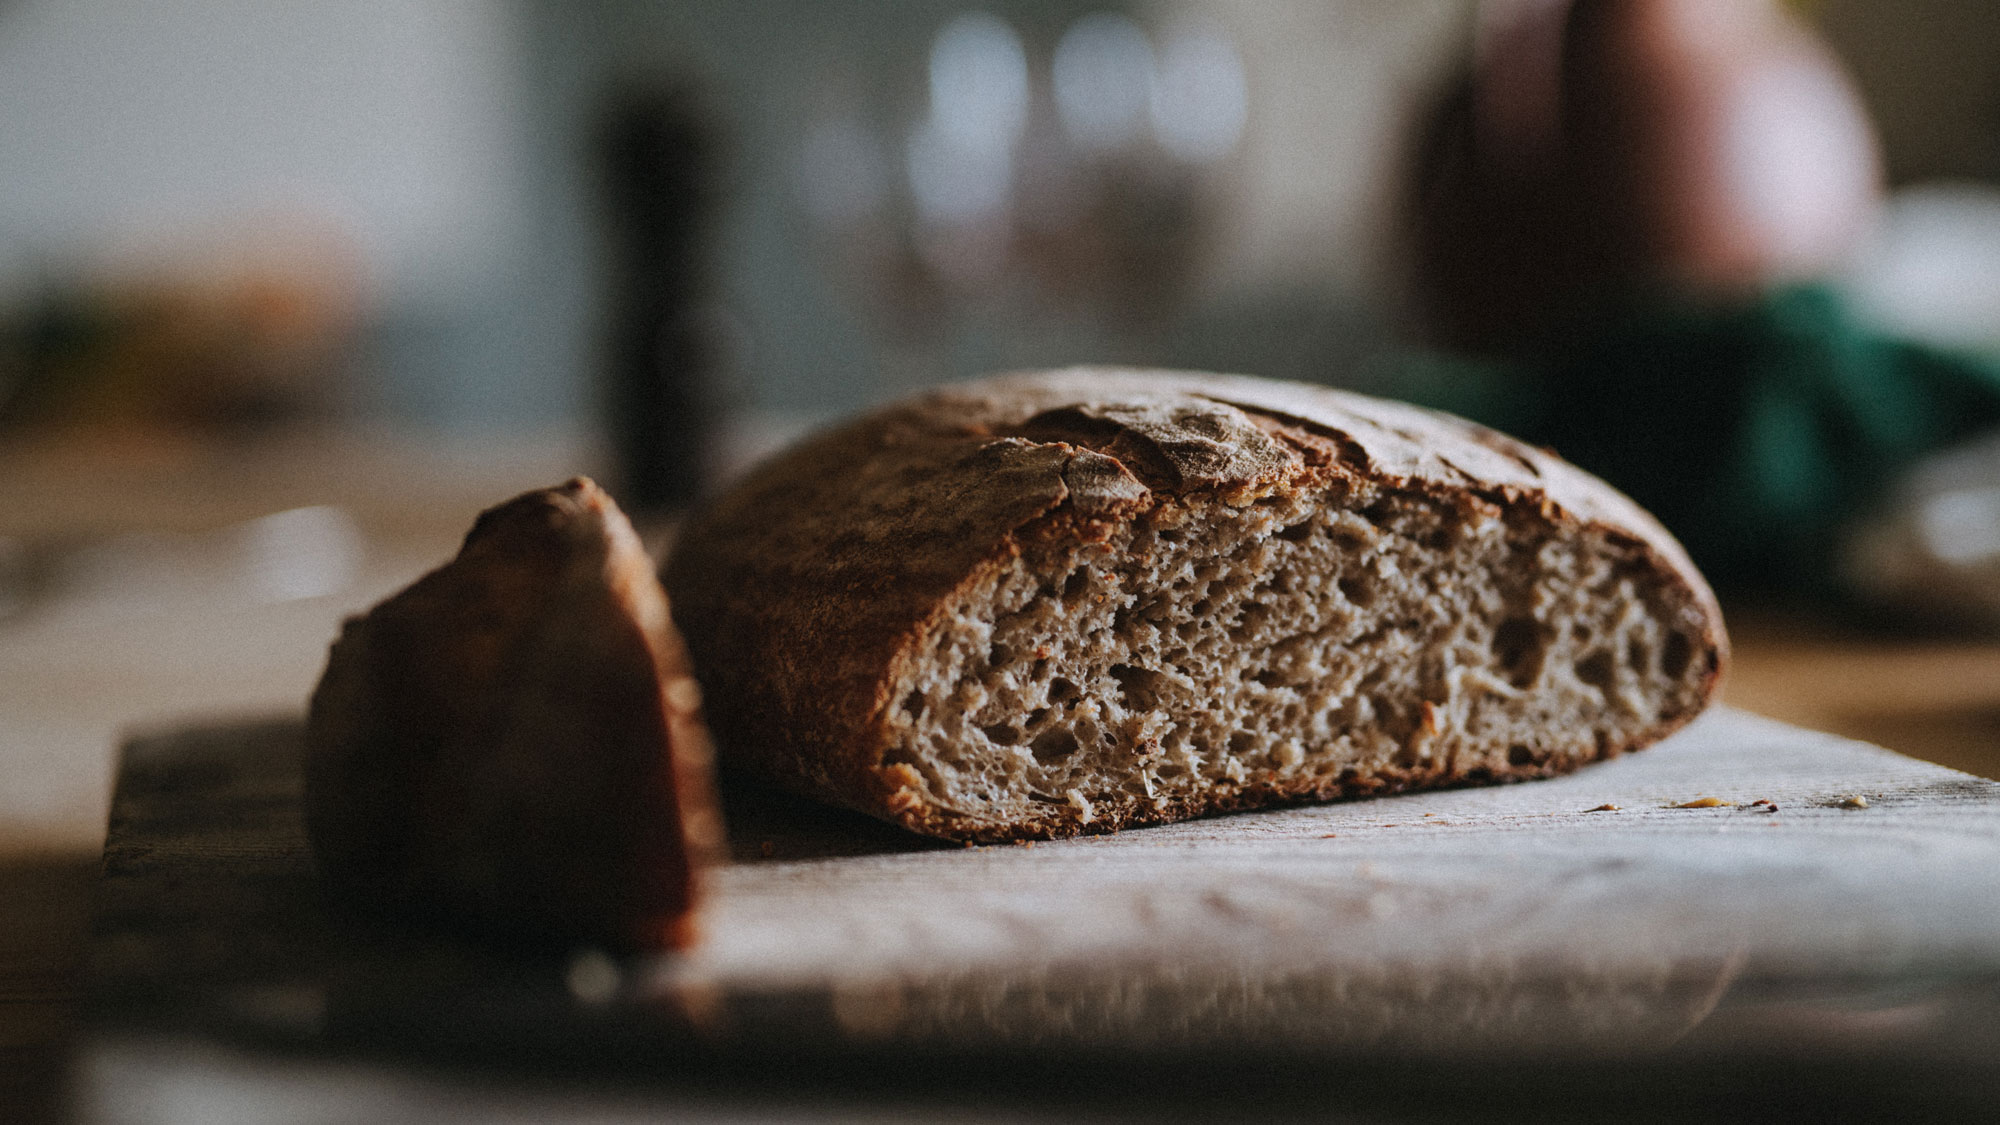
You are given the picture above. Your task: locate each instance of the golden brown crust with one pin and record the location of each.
(803, 590)
(515, 742)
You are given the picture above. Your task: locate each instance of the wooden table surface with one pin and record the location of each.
(84, 669)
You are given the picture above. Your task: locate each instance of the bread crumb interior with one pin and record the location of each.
(1293, 647)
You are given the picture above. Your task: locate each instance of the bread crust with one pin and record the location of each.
(803, 590)
(514, 744)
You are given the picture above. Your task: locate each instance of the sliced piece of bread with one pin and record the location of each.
(1084, 600)
(514, 743)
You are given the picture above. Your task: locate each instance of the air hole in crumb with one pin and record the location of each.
(1036, 716)
(1357, 588)
(1597, 670)
(1519, 755)
(1255, 618)
(999, 655)
(1062, 691)
(1000, 734)
(1138, 688)
(1053, 746)
(1521, 648)
(1637, 656)
(1242, 742)
(1074, 586)
(913, 704)
(1297, 533)
(1271, 679)
(1123, 627)
(1677, 654)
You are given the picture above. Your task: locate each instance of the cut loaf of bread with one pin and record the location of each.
(1083, 600)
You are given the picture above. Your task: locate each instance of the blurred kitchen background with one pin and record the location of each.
(454, 217)
(288, 291)
(229, 215)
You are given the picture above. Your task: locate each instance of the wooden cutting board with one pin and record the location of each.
(1598, 916)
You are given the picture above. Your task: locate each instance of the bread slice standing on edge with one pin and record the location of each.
(514, 744)
(1084, 600)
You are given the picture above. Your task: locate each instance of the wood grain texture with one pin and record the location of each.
(1515, 875)
(1491, 917)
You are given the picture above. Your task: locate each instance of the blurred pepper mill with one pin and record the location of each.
(657, 152)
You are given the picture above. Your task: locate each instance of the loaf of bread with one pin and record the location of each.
(514, 744)
(1085, 600)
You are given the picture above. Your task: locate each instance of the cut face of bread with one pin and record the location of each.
(514, 743)
(1312, 645)
(1079, 601)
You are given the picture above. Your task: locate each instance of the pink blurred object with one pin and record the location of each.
(1605, 149)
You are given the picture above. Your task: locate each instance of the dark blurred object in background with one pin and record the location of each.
(1645, 205)
(658, 152)
(1602, 152)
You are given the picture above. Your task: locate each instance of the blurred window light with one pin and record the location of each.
(1962, 526)
(841, 172)
(979, 83)
(952, 184)
(1200, 100)
(1103, 77)
(300, 553)
(1933, 271)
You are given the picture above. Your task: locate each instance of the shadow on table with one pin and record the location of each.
(44, 919)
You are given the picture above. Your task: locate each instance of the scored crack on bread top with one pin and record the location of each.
(1075, 601)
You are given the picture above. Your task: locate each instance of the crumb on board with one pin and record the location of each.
(1703, 803)
(1765, 803)
(1855, 802)
(1605, 807)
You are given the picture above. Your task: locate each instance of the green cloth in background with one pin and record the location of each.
(1755, 433)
